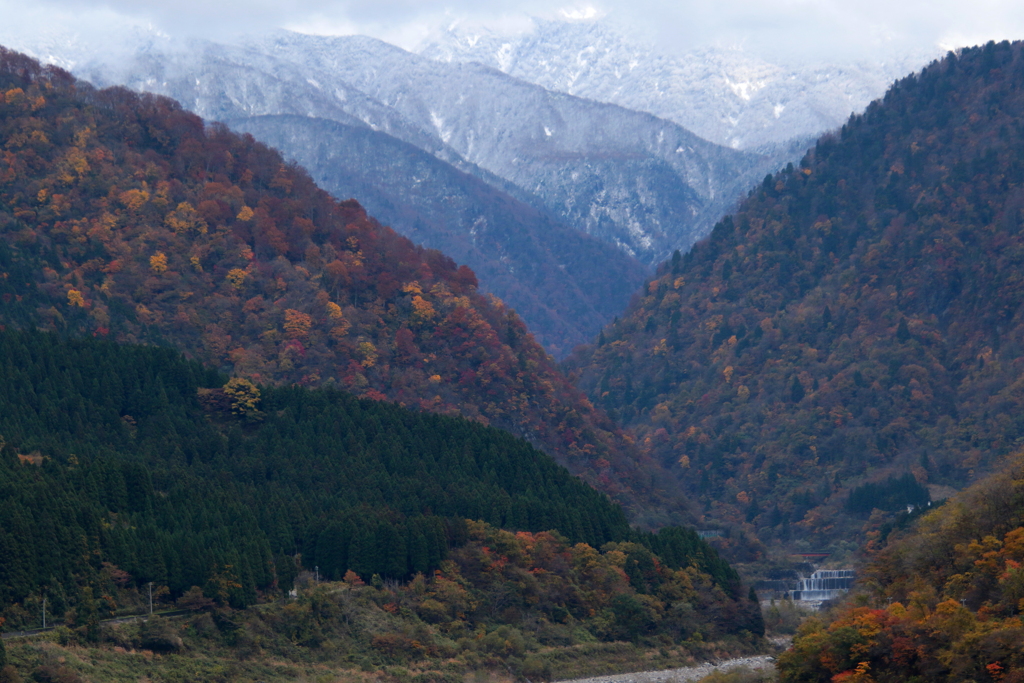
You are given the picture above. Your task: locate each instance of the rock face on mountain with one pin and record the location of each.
(124, 217)
(857, 320)
(727, 96)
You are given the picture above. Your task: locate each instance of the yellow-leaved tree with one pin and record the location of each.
(297, 323)
(245, 397)
(158, 262)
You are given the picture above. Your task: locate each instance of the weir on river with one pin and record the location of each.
(824, 584)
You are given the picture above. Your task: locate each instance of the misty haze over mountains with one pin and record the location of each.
(558, 200)
(725, 95)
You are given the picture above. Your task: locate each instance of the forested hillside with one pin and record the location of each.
(942, 603)
(565, 285)
(122, 216)
(123, 465)
(858, 319)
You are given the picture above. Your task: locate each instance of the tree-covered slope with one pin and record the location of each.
(941, 602)
(122, 465)
(564, 284)
(856, 320)
(123, 216)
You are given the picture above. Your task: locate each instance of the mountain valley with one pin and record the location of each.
(564, 284)
(443, 390)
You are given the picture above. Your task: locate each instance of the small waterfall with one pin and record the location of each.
(824, 584)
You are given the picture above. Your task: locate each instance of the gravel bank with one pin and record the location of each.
(683, 675)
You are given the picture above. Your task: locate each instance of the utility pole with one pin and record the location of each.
(151, 598)
(317, 570)
(44, 611)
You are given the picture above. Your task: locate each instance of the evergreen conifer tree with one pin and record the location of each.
(902, 331)
(796, 390)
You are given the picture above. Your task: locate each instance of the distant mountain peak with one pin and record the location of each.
(723, 93)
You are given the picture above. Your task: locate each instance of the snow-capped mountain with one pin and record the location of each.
(628, 178)
(725, 95)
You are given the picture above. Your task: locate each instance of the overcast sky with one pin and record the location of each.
(806, 29)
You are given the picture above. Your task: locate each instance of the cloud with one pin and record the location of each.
(820, 29)
(800, 29)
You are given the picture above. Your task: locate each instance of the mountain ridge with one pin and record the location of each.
(440, 99)
(724, 95)
(237, 83)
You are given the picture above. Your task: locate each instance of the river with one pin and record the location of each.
(684, 674)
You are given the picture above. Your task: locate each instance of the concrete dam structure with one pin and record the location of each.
(823, 584)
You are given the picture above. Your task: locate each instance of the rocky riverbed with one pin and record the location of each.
(682, 675)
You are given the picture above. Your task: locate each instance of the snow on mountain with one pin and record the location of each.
(628, 178)
(71, 40)
(725, 95)
(643, 184)
(224, 83)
